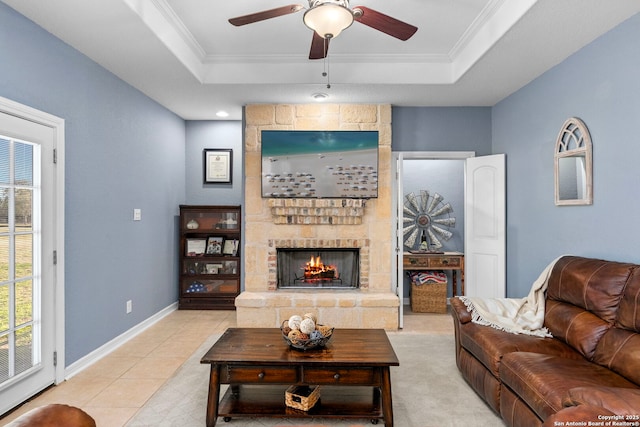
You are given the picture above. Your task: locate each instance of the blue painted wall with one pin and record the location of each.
(213, 134)
(123, 151)
(600, 85)
(442, 129)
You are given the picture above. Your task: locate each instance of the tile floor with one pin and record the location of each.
(113, 389)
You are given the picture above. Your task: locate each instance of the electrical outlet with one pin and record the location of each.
(137, 214)
(129, 306)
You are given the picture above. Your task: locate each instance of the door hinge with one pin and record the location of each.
(55, 257)
(55, 358)
(55, 155)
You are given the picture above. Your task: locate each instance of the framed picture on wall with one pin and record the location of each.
(218, 165)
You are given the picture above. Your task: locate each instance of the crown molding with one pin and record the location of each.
(493, 22)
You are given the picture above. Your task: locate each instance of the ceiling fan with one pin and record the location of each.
(327, 19)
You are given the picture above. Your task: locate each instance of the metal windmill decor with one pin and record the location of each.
(426, 221)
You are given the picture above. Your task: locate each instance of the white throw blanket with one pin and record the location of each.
(515, 315)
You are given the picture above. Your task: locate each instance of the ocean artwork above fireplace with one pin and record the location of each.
(318, 268)
(319, 164)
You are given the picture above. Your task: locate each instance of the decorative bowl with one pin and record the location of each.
(306, 344)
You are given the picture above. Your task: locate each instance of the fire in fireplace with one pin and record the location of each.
(317, 268)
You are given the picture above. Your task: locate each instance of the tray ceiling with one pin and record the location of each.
(186, 56)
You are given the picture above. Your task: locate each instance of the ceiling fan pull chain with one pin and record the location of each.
(328, 70)
(326, 64)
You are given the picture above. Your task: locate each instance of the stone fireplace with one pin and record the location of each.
(316, 224)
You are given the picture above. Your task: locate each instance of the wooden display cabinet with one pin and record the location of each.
(209, 256)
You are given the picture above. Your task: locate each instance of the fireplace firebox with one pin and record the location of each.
(318, 268)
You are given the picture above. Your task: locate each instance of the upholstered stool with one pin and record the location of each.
(54, 415)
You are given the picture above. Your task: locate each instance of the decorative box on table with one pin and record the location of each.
(302, 397)
(429, 292)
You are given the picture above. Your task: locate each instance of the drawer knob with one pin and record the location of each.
(261, 375)
(336, 377)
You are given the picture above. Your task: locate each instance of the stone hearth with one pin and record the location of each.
(307, 223)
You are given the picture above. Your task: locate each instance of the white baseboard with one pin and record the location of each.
(91, 358)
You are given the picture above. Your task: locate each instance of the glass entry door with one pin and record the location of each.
(18, 265)
(27, 332)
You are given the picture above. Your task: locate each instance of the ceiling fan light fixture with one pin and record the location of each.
(328, 18)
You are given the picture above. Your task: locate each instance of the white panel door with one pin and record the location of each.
(485, 227)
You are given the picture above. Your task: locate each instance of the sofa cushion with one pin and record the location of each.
(488, 345)
(619, 350)
(583, 296)
(592, 284)
(543, 381)
(621, 401)
(629, 310)
(577, 327)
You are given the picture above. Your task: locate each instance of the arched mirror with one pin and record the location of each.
(573, 165)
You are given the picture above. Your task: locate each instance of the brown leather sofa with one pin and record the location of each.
(588, 371)
(54, 415)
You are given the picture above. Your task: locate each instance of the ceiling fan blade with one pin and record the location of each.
(386, 24)
(319, 47)
(265, 14)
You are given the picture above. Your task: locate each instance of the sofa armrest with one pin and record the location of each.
(620, 401)
(574, 415)
(54, 415)
(459, 310)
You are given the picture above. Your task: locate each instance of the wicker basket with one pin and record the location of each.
(302, 397)
(429, 298)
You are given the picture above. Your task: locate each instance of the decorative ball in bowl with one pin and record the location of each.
(303, 333)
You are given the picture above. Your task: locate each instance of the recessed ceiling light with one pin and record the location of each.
(319, 96)
(222, 114)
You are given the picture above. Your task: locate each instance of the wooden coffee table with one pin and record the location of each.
(352, 370)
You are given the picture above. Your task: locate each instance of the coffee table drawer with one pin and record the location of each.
(339, 376)
(261, 374)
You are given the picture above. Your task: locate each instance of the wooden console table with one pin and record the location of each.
(352, 370)
(453, 261)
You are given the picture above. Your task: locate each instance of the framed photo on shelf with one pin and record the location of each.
(218, 165)
(230, 247)
(214, 245)
(213, 268)
(195, 247)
